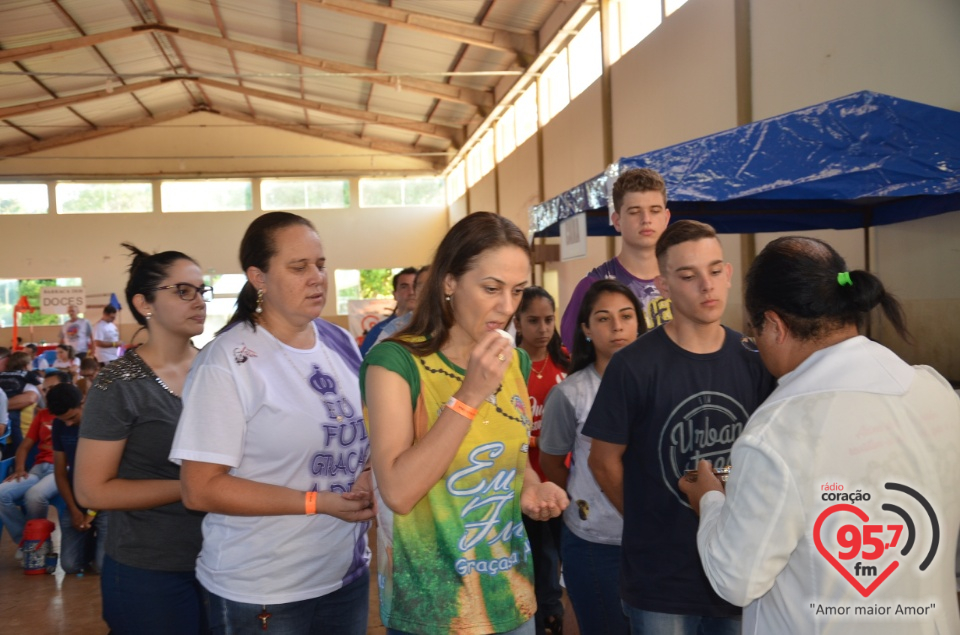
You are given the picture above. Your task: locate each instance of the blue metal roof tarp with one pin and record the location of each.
(862, 160)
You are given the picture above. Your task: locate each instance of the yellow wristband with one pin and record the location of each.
(310, 504)
(461, 408)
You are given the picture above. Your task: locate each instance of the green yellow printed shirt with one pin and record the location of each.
(459, 562)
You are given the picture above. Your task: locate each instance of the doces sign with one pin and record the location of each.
(56, 300)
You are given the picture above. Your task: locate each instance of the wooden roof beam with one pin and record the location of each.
(479, 98)
(522, 44)
(59, 46)
(438, 131)
(58, 141)
(381, 145)
(60, 102)
(470, 96)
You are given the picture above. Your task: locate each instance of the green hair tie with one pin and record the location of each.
(843, 278)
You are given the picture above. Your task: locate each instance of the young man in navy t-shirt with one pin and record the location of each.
(681, 393)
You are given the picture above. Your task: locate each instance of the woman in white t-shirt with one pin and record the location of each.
(610, 318)
(273, 446)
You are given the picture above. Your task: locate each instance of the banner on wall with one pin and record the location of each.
(56, 300)
(363, 315)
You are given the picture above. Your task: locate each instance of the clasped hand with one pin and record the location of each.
(357, 505)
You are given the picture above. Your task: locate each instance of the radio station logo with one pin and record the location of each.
(867, 549)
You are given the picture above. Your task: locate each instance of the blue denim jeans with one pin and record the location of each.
(591, 572)
(343, 612)
(650, 623)
(527, 628)
(146, 602)
(33, 492)
(79, 548)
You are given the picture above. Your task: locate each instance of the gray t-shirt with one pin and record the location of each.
(591, 515)
(129, 402)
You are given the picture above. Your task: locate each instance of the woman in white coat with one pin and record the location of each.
(841, 513)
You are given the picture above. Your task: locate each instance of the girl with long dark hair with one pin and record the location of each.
(610, 318)
(537, 334)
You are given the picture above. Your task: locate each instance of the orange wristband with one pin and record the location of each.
(461, 408)
(310, 504)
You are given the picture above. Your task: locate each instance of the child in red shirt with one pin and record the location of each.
(537, 335)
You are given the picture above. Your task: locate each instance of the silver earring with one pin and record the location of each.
(589, 340)
(259, 308)
(148, 315)
(447, 297)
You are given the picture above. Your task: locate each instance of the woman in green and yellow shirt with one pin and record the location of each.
(449, 419)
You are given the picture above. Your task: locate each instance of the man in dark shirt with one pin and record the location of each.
(83, 532)
(681, 393)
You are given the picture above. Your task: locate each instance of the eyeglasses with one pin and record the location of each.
(188, 292)
(750, 344)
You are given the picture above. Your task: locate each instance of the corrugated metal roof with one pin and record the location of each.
(462, 11)
(165, 98)
(520, 15)
(371, 82)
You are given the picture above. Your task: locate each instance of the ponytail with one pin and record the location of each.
(806, 282)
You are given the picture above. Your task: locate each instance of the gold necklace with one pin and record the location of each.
(543, 367)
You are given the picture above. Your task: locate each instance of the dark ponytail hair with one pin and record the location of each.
(555, 350)
(584, 354)
(457, 254)
(147, 272)
(256, 249)
(797, 278)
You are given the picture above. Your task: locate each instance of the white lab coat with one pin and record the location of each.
(855, 415)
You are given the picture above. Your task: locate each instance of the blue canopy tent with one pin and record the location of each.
(862, 160)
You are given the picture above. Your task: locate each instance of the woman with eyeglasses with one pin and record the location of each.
(853, 447)
(274, 448)
(148, 582)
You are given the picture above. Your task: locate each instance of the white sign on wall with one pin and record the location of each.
(56, 300)
(573, 237)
